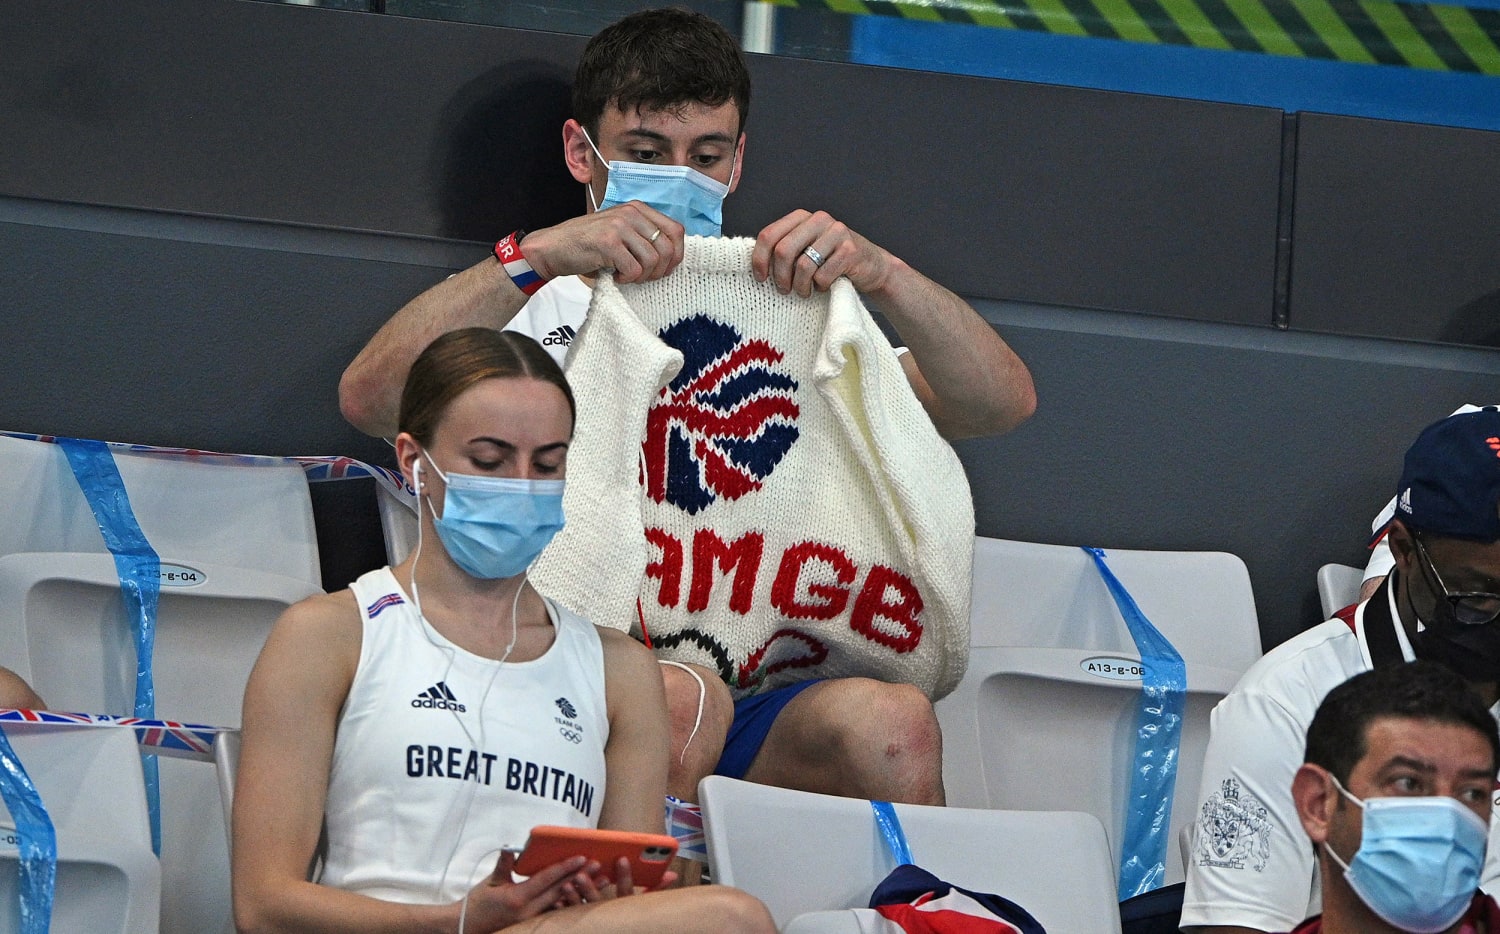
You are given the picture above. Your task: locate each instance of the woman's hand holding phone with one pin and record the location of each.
(599, 888)
(500, 901)
(623, 859)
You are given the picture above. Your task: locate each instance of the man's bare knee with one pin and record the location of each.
(857, 737)
(900, 724)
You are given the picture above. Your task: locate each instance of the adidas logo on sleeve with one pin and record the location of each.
(438, 697)
(560, 337)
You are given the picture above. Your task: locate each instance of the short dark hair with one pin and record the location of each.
(660, 60)
(458, 360)
(1336, 738)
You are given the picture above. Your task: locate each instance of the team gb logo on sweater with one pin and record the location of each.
(724, 423)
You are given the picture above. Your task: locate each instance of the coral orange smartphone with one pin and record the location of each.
(649, 853)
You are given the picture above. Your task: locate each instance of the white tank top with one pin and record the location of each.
(442, 757)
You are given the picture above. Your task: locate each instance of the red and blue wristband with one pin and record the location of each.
(508, 252)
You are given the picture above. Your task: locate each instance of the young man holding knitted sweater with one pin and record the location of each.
(660, 101)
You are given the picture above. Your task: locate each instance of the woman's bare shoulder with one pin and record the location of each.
(325, 614)
(622, 648)
(315, 632)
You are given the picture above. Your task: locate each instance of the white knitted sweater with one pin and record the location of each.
(752, 478)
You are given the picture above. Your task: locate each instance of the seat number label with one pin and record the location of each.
(1114, 668)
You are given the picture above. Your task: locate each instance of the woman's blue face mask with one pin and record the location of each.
(679, 191)
(495, 527)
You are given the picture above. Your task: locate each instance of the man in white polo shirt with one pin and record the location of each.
(1251, 868)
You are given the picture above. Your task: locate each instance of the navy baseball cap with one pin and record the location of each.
(1450, 482)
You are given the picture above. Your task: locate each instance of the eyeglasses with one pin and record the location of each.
(1471, 608)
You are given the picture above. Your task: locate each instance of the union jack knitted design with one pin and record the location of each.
(753, 480)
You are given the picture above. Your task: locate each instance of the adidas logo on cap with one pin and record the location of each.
(438, 697)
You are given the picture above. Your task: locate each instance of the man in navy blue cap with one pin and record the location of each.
(1381, 560)
(1446, 539)
(1250, 867)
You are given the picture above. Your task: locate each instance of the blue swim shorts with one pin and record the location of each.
(753, 718)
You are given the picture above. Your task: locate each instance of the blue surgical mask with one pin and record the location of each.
(1418, 861)
(495, 527)
(679, 191)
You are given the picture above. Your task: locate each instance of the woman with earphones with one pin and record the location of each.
(425, 719)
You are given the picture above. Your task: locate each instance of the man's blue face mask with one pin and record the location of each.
(1418, 862)
(679, 191)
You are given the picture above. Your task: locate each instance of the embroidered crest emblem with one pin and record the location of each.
(724, 423)
(1234, 830)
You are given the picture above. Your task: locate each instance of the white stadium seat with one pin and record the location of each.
(236, 542)
(89, 780)
(803, 854)
(1338, 586)
(1045, 717)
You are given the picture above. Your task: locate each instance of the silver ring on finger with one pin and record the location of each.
(818, 259)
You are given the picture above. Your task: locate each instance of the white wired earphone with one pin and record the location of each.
(514, 631)
(702, 693)
(427, 630)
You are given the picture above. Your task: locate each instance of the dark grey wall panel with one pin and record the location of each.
(1022, 191)
(997, 188)
(226, 345)
(286, 113)
(1276, 446)
(1395, 231)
